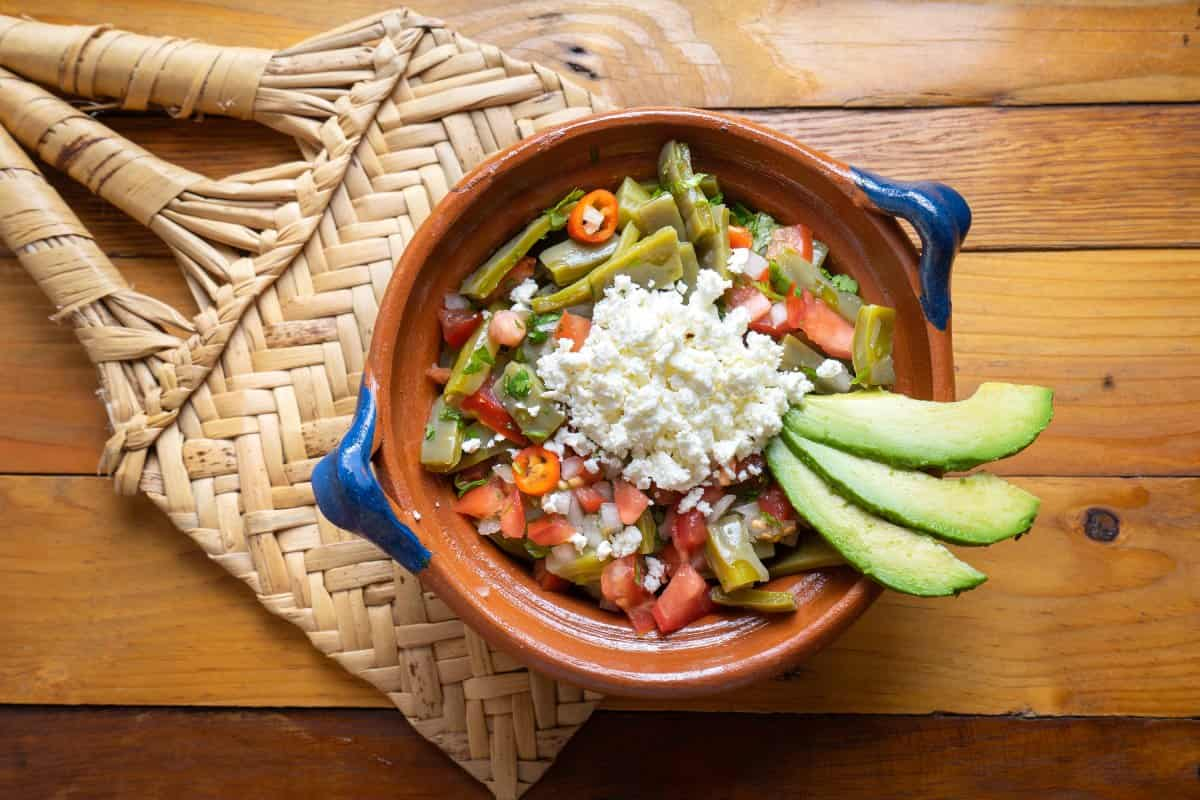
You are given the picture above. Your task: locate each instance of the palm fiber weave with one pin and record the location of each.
(220, 417)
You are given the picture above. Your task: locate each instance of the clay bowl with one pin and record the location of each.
(568, 637)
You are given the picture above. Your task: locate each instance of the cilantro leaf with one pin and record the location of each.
(536, 550)
(450, 414)
(843, 282)
(741, 215)
(658, 192)
(717, 198)
(541, 326)
(478, 360)
(428, 432)
(559, 212)
(518, 384)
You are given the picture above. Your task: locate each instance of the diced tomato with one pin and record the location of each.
(791, 237)
(827, 328)
(484, 406)
(740, 237)
(516, 276)
(672, 558)
(512, 515)
(620, 585)
(631, 502)
(665, 497)
(438, 374)
(573, 327)
(536, 470)
(506, 328)
(547, 579)
(755, 302)
(774, 323)
(774, 502)
(795, 308)
(589, 499)
(550, 530)
(482, 501)
(685, 600)
(690, 531)
(458, 324)
(576, 473)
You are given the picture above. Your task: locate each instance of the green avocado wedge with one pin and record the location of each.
(896, 557)
(980, 509)
(1000, 419)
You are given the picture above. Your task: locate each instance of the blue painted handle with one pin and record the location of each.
(942, 219)
(349, 494)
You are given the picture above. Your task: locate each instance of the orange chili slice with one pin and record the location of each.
(602, 201)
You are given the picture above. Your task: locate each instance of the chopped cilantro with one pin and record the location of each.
(541, 325)
(428, 432)
(760, 224)
(658, 192)
(462, 486)
(842, 282)
(450, 414)
(518, 384)
(694, 181)
(770, 518)
(559, 212)
(478, 360)
(717, 198)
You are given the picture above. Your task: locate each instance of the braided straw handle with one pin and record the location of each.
(232, 237)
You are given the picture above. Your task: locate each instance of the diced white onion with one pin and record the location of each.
(720, 507)
(592, 219)
(605, 489)
(571, 467)
(487, 527)
(610, 518)
(455, 301)
(504, 471)
(748, 510)
(756, 265)
(591, 529)
(778, 314)
(575, 514)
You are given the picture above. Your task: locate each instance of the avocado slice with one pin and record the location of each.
(896, 557)
(979, 509)
(998, 420)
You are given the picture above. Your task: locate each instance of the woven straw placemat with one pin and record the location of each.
(220, 417)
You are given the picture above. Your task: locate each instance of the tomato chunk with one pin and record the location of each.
(791, 237)
(482, 501)
(458, 324)
(756, 303)
(774, 502)
(589, 499)
(740, 237)
(690, 531)
(506, 328)
(550, 530)
(685, 600)
(547, 579)
(512, 515)
(774, 323)
(631, 502)
(827, 328)
(620, 585)
(573, 327)
(484, 406)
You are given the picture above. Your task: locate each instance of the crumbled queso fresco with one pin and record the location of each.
(669, 385)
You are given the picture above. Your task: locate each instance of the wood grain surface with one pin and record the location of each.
(1089, 176)
(106, 753)
(763, 52)
(1068, 623)
(1111, 331)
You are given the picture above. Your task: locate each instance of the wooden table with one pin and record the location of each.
(134, 667)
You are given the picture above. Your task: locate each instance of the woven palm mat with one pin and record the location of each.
(220, 418)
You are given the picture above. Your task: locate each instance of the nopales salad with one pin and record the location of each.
(664, 399)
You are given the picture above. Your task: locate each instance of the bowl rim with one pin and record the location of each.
(473, 609)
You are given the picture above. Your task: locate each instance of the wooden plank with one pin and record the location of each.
(1035, 177)
(762, 53)
(1112, 332)
(124, 752)
(101, 601)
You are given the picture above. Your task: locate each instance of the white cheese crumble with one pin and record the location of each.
(522, 295)
(669, 384)
(556, 503)
(830, 368)
(690, 500)
(579, 541)
(471, 445)
(626, 542)
(656, 573)
(738, 257)
(604, 550)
